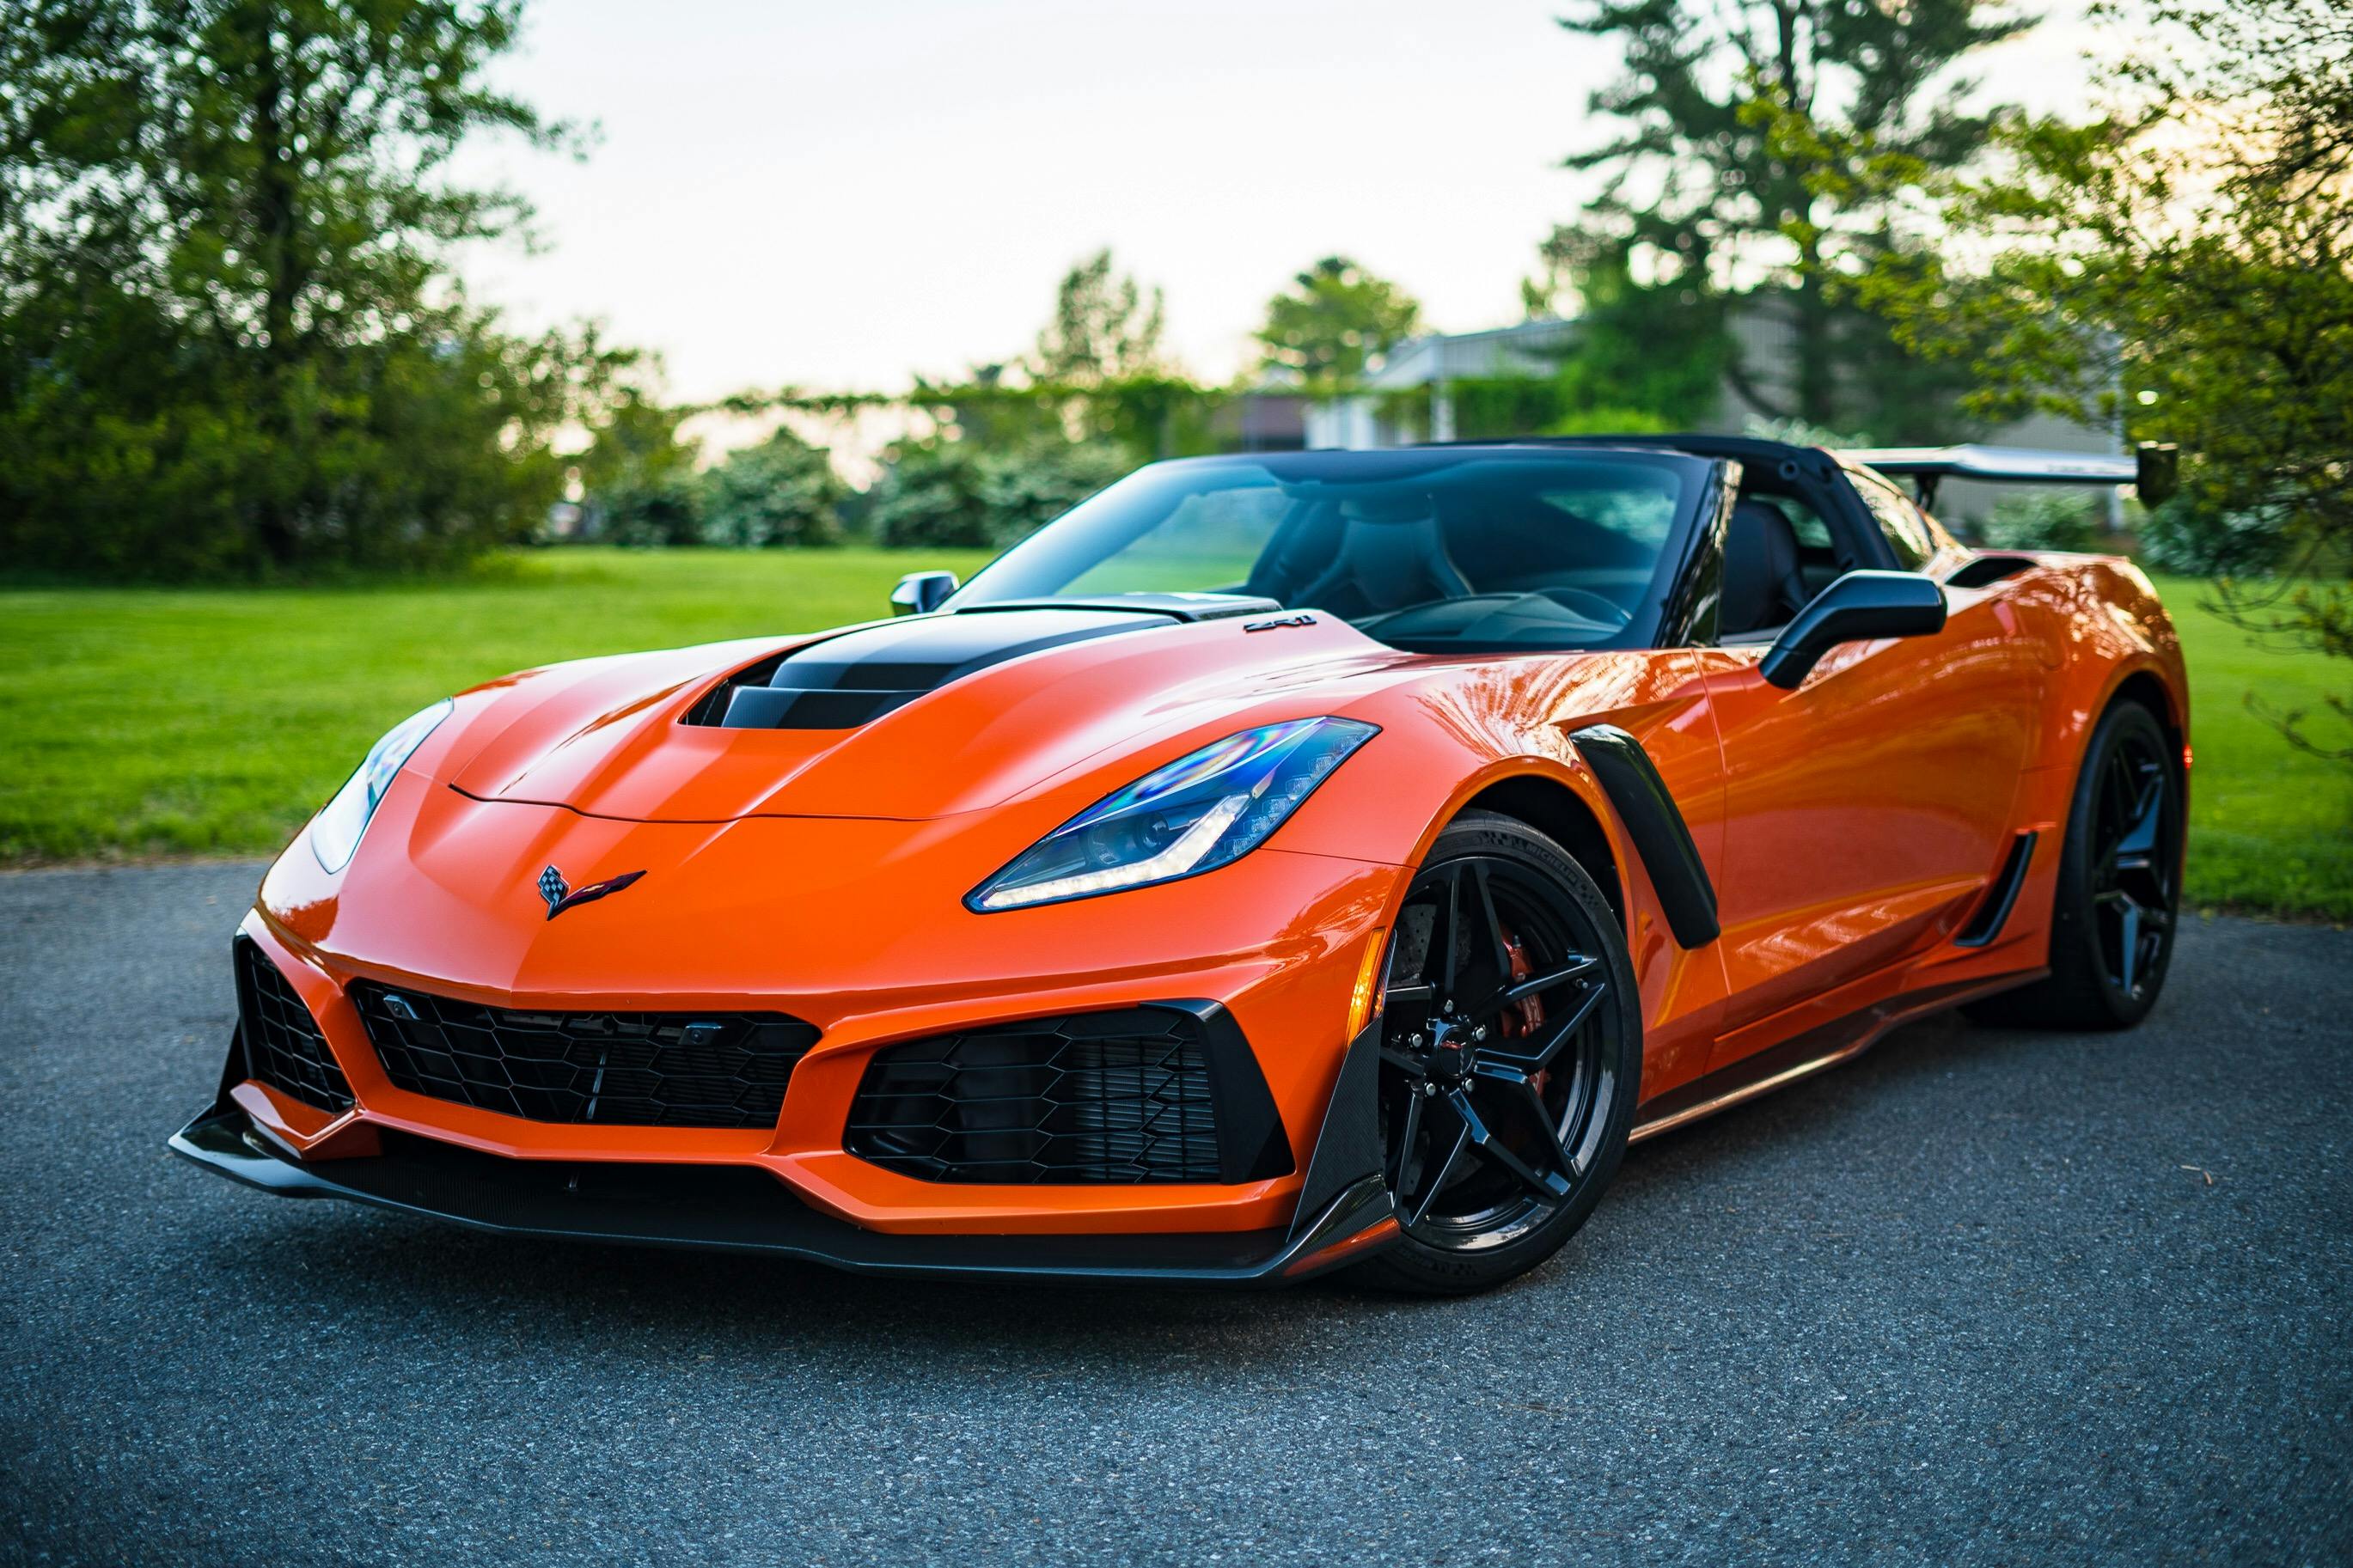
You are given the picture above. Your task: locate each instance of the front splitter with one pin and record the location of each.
(738, 1208)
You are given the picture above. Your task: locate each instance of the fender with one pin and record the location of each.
(1656, 827)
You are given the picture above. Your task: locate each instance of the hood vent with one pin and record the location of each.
(841, 682)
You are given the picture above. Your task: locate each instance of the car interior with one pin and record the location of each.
(1591, 554)
(1779, 551)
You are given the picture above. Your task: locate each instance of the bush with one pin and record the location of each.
(2196, 540)
(929, 496)
(2048, 520)
(782, 493)
(648, 511)
(949, 495)
(1026, 490)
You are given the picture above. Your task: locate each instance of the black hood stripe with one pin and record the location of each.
(841, 682)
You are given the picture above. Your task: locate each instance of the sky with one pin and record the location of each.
(837, 195)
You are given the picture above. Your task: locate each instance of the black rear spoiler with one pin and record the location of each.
(2153, 469)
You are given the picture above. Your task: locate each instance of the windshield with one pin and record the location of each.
(1491, 548)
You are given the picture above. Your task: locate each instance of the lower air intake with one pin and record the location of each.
(613, 1070)
(283, 1047)
(1095, 1097)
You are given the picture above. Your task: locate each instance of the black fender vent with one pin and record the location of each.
(1160, 1093)
(1986, 570)
(607, 1069)
(1993, 910)
(283, 1047)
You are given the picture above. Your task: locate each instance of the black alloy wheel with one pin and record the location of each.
(2119, 888)
(1510, 1057)
(2136, 863)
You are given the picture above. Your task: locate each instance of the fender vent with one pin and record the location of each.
(1987, 569)
(1994, 912)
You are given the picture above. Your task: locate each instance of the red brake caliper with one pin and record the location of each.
(1521, 1018)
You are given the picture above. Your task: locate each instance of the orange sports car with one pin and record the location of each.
(1282, 861)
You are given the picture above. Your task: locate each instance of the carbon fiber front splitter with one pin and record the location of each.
(737, 1208)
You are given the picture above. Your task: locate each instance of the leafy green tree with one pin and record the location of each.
(1701, 205)
(1333, 318)
(2184, 261)
(1028, 487)
(950, 494)
(929, 496)
(1660, 349)
(229, 338)
(782, 492)
(1106, 327)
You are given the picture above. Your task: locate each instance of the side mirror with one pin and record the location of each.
(1858, 607)
(921, 593)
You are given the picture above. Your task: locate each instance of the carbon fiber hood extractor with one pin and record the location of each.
(841, 682)
(908, 719)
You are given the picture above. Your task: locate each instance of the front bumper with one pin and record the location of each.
(739, 1208)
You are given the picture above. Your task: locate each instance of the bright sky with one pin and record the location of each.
(835, 195)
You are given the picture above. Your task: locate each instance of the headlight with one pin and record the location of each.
(335, 831)
(1197, 813)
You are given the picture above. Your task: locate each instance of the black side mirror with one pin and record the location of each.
(921, 593)
(1858, 607)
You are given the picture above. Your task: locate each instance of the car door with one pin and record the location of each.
(1866, 811)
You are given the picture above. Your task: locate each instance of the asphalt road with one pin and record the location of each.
(1979, 1297)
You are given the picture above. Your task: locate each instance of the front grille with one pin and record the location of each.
(283, 1047)
(1097, 1096)
(611, 1069)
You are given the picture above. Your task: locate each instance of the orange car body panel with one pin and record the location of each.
(1850, 828)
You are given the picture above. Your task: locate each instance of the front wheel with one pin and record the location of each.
(1511, 1057)
(2119, 893)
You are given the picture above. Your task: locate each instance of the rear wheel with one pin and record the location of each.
(1511, 1056)
(2119, 892)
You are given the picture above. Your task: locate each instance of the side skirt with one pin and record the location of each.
(1805, 1055)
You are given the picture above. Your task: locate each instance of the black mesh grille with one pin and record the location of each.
(618, 1069)
(1097, 1096)
(283, 1047)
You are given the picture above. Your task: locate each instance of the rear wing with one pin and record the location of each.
(2153, 468)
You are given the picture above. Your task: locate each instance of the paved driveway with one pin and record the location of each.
(1979, 1297)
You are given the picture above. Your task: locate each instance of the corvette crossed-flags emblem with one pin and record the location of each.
(561, 896)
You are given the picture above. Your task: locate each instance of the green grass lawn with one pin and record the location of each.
(213, 721)
(2271, 828)
(210, 721)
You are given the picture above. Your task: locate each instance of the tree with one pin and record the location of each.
(229, 337)
(952, 494)
(782, 492)
(1700, 204)
(1105, 327)
(2184, 263)
(1333, 318)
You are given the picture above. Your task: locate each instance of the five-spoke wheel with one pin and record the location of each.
(1509, 1055)
(2119, 885)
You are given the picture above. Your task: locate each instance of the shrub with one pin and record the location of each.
(1027, 489)
(2196, 541)
(929, 496)
(781, 493)
(2045, 519)
(647, 511)
(944, 494)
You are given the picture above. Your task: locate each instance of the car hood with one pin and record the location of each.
(923, 717)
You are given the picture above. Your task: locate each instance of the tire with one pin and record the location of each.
(1512, 1056)
(2119, 894)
